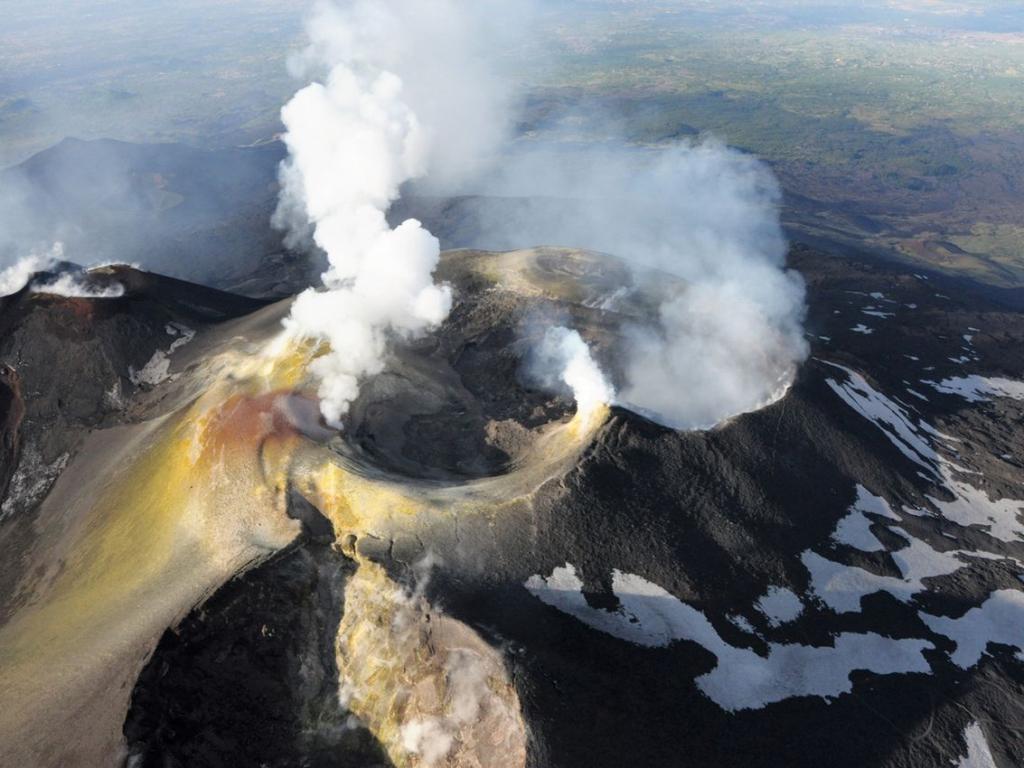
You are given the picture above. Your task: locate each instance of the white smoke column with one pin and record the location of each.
(563, 357)
(353, 141)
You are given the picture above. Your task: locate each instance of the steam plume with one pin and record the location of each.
(404, 93)
(730, 340)
(16, 276)
(71, 286)
(20, 273)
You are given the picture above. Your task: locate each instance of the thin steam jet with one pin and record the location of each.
(562, 358)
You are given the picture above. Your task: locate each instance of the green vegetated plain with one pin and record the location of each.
(892, 125)
(210, 72)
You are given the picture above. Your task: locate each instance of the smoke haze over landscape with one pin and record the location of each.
(409, 92)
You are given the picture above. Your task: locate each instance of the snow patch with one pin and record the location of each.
(1000, 619)
(978, 389)
(780, 606)
(999, 518)
(650, 616)
(744, 680)
(887, 416)
(184, 334)
(978, 753)
(841, 587)
(114, 397)
(854, 530)
(970, 506)
(158, 369)
(31, 481)
(742, 623)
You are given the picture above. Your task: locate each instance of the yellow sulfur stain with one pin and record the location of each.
(141, 535)
(427, 686)
(151, 519)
